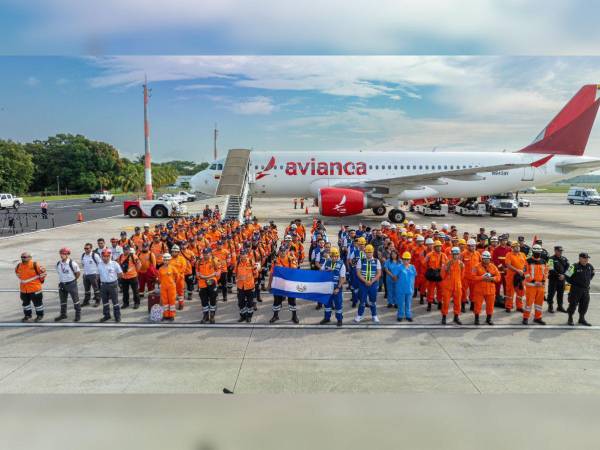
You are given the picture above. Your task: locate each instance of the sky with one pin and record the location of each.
(312, 75)
(282, 103)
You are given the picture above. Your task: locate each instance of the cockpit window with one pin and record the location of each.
(219, 166)
(213, 167)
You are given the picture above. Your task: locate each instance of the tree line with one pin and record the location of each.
(79, 164)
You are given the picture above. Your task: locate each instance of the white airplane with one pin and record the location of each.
(347, 183)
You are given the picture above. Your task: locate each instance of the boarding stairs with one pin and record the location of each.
(234, 183)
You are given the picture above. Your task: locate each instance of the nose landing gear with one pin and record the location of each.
(379, 211)
(396, 216)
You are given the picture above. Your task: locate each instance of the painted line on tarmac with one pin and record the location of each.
(60, 226)
(290, 326)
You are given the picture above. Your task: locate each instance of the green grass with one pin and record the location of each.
(563, 188)
(38, 198)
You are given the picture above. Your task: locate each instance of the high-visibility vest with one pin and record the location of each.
(329, 266)
(245, 275)
(30, 276)
(368, 268)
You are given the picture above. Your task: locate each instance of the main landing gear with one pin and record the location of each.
(396, 216)
(379, 211)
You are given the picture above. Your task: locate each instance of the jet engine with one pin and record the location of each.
(340, 202)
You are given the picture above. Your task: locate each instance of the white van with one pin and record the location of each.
(584, 196)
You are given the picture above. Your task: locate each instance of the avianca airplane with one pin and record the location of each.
(347, 183)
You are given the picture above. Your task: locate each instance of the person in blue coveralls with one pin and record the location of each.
(391, 267)
(405, 287)
(335, 265)
(368, 272)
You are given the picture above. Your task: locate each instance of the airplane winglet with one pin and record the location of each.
(541, 162)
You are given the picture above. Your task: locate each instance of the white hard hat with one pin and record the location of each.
(146, 225)
(494, 238)
(486, 255)
(385, 223)
(455, 250)
(175, 248)
(429, 241)
(420, 238)
(166, 257)
(471, 242)
(433, 222)
(536, 248)
(445, 226)
(393, 227)
(293, 225)
(419, 227)
(410, 222)
(287, 237)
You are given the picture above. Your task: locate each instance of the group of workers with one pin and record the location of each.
(210, 255)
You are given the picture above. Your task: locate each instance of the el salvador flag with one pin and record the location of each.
(314, 285)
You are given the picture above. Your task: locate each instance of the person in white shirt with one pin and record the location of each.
(89, 263)
(110, 272)
(68, 273)
(115, 249)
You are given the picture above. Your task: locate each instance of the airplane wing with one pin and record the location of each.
(572, 166)
(436, 178)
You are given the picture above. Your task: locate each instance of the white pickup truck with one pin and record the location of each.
(102, 196)
(187, 196)
(9, 201)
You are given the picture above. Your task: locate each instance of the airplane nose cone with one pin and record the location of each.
(201, 183)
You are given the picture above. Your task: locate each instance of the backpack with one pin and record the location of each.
(93, 254)
(70, 265)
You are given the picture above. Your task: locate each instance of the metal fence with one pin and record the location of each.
(14, 222)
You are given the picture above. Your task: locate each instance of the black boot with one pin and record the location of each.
(242, 318)
(60, 317)
(551, 308)
(77, 316)
(248, 318)
(584, 322)
(319, 306)
(339, 323)
(471, 306)
(525, 322)
(295, 317)
(561, 309)
(539, 321)
(428, 306)
(443, 320)
(204, 318)
(26, 319)
(275, 317)
(421, 300)
(570, 320)
(85, 302)
(104, 319)
(488, 320)
(456, 320)
(463, 308)
(324, 321)
(39, 318)
(476, 322)
(439, 303)
(211, 317)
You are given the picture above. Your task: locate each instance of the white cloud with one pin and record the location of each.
(254, 106)
(32, 81)
(198, 87)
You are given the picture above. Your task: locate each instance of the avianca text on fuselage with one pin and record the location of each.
(314, 167)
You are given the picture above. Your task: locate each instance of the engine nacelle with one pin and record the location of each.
(340, 202)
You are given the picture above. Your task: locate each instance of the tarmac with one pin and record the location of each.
(136, 356)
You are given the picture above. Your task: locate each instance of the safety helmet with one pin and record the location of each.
(437, 244)
(146, 225)
(445, 226)
(536, 248)
(334, 251)
(385, 223)
(287, 237)
(462, 242)
(514, 244)
(361, 240)
(441, 235)
(471, 242)
(175, 248)
(406, 255)
(369, 249)
(393, 227)
(455, 251)
(404, 234)
(166, 257)
(65, 251)
(106, 252)
(428, 241)
(494, 239)
(486, 255)
(410, 234)
(410, 222)
(420, 238)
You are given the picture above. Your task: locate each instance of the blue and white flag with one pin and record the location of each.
(314, 285)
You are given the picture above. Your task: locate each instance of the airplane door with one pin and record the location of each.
(528, 174)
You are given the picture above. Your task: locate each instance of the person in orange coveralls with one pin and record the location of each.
(184, 269)
(452, 285)
(515, 265)
(536, 274)
(485, 275)
(167, 279)
(471, 258)
(435, 262)
(245, 275)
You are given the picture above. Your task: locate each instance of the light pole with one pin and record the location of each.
(57, 185)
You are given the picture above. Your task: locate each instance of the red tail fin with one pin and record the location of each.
(568, 132)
